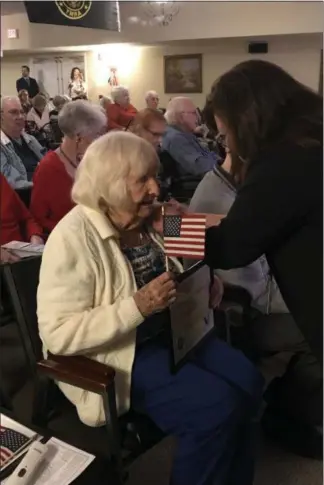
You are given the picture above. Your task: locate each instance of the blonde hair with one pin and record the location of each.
(102, 176)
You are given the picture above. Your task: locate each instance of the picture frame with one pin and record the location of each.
(183, 74)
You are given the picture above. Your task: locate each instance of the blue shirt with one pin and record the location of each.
(191, 157)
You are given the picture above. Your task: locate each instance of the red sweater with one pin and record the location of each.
(118, 117)
(17, 223)
(51, 195)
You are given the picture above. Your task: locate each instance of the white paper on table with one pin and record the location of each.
(62, 464)
(191, 316)
(24, 249)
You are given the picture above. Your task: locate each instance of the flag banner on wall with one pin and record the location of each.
(93, 15)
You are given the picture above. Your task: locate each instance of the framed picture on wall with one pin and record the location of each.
(183, 74)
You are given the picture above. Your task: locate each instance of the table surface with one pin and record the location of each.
(99, 472)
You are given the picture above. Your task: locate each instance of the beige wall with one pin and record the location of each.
(195, 20)
(141, 68)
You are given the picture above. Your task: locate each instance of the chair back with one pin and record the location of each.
(25, 195)
(22, 281)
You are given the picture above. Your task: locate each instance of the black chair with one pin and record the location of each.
(121, 440)
(181, 187)
(25, 195)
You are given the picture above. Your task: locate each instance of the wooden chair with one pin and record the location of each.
(121, 440)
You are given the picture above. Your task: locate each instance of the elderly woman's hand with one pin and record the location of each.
(156, 295)
(216, 293)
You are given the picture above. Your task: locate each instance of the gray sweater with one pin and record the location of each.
(215, 195)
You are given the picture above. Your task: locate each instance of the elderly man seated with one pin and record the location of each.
(20, 152)
(181, 142)
(104, 292)
(152, 99)
(121, 112)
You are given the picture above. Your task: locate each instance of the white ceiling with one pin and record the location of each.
(9, 8)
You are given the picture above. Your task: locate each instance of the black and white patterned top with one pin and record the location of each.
(148, 262)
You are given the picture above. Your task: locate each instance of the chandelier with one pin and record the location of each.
(161, 13)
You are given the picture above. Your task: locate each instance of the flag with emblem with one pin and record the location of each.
(90, 14)
(11, 442)
(184, 236)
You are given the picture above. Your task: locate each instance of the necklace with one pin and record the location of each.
(71, 162)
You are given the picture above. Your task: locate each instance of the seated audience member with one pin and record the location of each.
(180, 141)
(298, 392)
(24, 100)
(16, 221)
(120, 113)
(104, 101)
(152, 100)
(58, 102)
(81, 123)
(20, 152)
(39, 113)
(149, 124)
(104, 292)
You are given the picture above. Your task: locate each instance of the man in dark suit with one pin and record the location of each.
(26, 82)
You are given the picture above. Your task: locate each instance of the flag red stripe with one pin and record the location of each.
(181, 243)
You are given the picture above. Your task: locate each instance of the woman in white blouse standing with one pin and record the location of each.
(77, 86)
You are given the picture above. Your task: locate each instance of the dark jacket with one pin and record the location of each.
(31, 87)
(279, 212)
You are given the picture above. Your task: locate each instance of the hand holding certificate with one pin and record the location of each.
(191, 317)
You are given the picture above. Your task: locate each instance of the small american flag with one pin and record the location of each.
(184, 236)
(10, 443)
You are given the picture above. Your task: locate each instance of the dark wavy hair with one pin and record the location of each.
(73, 71)
(261, 106)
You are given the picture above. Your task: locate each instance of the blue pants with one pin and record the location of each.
(209, 406)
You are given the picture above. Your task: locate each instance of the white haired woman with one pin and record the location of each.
(81, 123)
(39, 113)
(112, 307)
(121, 112)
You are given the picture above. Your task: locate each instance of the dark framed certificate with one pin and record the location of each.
(191, 318)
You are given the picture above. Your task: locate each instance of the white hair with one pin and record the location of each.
(81, 118)
(151, 94)
(7, 99)
(101, 178)
(117, 91)
(174, 109)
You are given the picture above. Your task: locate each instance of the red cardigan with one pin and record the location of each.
(51, 195)
(17, 223)
(118, 117)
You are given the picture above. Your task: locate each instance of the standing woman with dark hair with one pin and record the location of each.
(77, 85)
(274, 125)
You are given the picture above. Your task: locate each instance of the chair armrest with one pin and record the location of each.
(78, 371)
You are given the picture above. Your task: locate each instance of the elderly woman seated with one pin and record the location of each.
(39, 114)
(80, 122)
(104, 292)
(120, 113)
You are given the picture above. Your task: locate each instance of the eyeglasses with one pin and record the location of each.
(194, 113)
(155, 133)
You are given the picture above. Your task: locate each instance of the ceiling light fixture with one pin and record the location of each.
(161, 13)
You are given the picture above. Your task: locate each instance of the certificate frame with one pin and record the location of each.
(177, 342)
